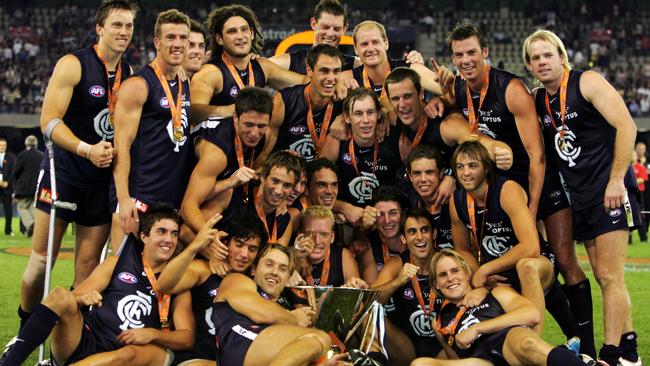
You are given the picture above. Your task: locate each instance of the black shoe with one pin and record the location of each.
(8, 348)
(30, 231)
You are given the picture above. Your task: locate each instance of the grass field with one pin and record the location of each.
(637, 278)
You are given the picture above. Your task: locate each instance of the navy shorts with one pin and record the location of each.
(488, 347)
(232, 347)
(88, 346)
(553, 197)
(593, 221)
(204, 349)
(92, 203)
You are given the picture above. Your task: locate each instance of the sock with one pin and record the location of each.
(379, 358)
(24, 316)
(558, 305)
(36, 330)
(628, 346)
(562, 357)
(579, 296)
(610, 354)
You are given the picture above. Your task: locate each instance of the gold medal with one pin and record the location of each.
(164, 324)
(562, 144)
(178, 134)
(110, 119)
(450, 340)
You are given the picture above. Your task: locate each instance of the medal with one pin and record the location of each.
(450, 340)
(562, 143)
(471, 114)
(164, 324)
(116, 84)
(178, 134)
(109, 119)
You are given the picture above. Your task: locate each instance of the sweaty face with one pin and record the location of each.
(195, 53)
(242, 252)
(388, 219)
(425, 176)
(277, 186)
(325, 75)
(272, 272)
(418, 235)
(406, 101)
(468, 57)
(160, 244)
(370, 46)
(328, 29)
(236, 37)
(545, 62)
(320, 230)
(298, 189)
(451, 280)
(172, 43)
(117, 30)
(252, 126)
(363, 118)
(470, 172)
(324, 188)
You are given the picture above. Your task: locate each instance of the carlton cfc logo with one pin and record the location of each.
(97, 91)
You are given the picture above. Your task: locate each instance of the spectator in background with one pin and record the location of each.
(28, 164)
(640, 159)
(641, 175)
(7, 163)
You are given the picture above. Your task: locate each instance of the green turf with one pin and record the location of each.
(637, 279)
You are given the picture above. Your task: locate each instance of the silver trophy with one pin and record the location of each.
(341, 311)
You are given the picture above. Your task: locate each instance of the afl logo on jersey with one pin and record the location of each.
(465, 112)
(615, 212)
(298, 130)
(127, 277)
(132, 309)
(347, 159)
(212, 293)
(97, 91)
(547, 120)
(408, 294)
(164, 102)
(496, 246)
(233, 91)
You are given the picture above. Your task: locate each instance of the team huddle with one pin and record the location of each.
(222, 179)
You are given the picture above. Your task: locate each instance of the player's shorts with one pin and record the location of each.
(426, 346)
(88, 346)
(488, 347)
(204, 349)
(92, 203)
(553, 197)
(593, 221)
(233, 342)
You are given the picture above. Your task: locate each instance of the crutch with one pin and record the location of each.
(50, 233)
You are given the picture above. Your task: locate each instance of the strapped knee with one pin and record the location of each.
(34, 274)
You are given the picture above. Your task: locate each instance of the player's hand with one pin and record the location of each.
(466, 338)
(243, 175)
(90, 298)
(129, 219)
(305, 316)
(303, 245)
(495, 280)
(339, 359)
(101, 154)
(479, 278)
(614, 194)
(342, 86)
(474, 298)
(353, 214)
(434, 108)
(218, 267)
(444, 76)
(369, 218)
(414, 57)
(444, 191)
(4, 184)
(208, 234)
(502, 157)
(407, 272)
(356, 282)
(296, 280)
(340, 130)
(140, 336)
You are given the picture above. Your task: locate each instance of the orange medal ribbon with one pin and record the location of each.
(449, 329)
(471, 207)
(418, 293)
(235, 73)
(176, 108)
(563, 87)
(385, 252)
(260, 212)
(471, 114)
(317, 139)
(164, 300)
(368, 84)
(424, 122)
(116, 84)
(325, 273)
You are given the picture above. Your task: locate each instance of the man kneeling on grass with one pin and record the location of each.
(131, 322)
(496, 332)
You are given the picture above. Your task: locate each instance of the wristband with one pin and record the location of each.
(83, 149)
